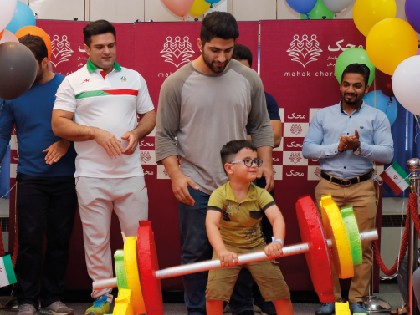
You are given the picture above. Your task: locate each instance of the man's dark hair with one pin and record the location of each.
(96, 28)
(220, 25)
(241, 52)
(232, 148)
(36, 45)
(359, 68)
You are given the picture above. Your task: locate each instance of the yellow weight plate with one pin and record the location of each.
(335, 230)
(132, 273)
(122, 303)
(353, 234)
(342, 308)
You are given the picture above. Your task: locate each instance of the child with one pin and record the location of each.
(234, 213)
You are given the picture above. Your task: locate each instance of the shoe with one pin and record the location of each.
(358, 308)
(326, 309)
(26, 309)
(101, 305)
(399, 311)
(57, 308)
(266, 308)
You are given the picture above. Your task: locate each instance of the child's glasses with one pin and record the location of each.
(249, 162)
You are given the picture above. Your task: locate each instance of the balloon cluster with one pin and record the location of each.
(392, 45)
(18, 66)
(318, 9)
(195, 8)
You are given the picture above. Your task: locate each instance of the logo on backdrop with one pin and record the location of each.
(177, 51)
(61, 50)
(304, 50)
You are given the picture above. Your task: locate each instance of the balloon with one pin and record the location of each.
(319, 12)
(199, 7)
(366, 13)
(178, 7)
(301, 6)
(23, 16)
(18, 68)
(353, 55)
(406, 82)
(8, 37)
(412, 11)
(212, 1)
(7, 9)
(37, 31)
(384, 103)
(337, 6)
(389, 42)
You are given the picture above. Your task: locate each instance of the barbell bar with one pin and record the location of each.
(178, 271)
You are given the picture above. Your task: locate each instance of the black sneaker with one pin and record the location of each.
(326, 309)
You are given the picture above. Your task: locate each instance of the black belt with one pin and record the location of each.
(346, 182)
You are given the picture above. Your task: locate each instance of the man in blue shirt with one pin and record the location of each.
(348, 138)
(46, 197)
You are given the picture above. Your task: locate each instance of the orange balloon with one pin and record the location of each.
(36, 31)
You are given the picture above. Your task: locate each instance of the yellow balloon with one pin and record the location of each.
(366, 13)
(389, 42)
(199, 7)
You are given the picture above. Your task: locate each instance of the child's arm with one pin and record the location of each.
(227, 258)
(276, 219)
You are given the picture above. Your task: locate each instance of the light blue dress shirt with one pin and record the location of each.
(323, 137)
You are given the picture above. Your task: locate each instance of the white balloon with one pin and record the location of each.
(8, 37)
(406, 83)
(7, 10)
(337, 6)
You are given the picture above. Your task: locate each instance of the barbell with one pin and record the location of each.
(315, 245)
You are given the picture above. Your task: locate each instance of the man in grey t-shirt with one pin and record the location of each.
(202, 106)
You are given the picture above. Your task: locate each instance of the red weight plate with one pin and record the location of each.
(318, 256)
(148, 264)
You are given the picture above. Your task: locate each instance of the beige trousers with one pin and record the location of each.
(362, 196)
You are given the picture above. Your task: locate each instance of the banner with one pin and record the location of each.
(298, 69)
(297, 59)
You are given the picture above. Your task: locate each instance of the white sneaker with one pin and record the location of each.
(26, 309)
(57, 308)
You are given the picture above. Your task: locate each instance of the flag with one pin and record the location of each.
(396, 178)
(7, 275)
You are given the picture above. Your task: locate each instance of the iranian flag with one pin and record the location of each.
(7, 275)
(396, 178)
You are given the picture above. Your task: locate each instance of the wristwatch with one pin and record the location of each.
(278, 240)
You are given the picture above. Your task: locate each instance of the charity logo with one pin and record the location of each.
(295, 157)
(305, 49)
(61, 50)
(177, 51)
(296, 129)
(145, 156)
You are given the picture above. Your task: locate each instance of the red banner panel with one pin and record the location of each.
(297, 67)
(155, 50)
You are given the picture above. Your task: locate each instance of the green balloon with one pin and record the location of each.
(353, 55)
(319, 12)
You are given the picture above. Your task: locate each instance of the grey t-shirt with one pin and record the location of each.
(198, 113)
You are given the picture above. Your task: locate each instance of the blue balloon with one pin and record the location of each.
(381, 101)
(212, 1)
(23, 16)
(301, 6)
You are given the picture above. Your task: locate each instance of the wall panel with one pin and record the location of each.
(127, 11)
(58, 9)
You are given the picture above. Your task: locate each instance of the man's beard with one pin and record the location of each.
(212, 66)
(352, 101)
